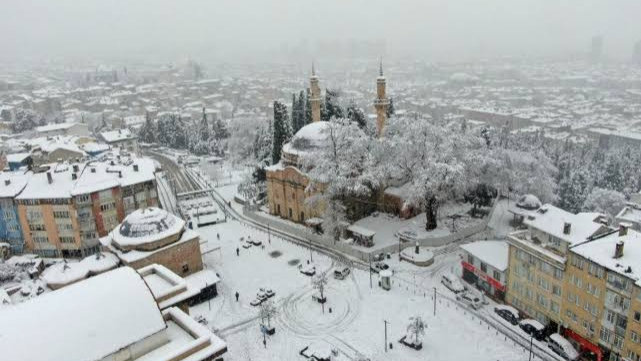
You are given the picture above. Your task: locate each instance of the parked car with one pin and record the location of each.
(452, 283)
(533, 328)
(342, 273)
(308, 270)
(469, 299)
(247, 244)
(255, 242)
(508, 313)
(269, 293)
(379, 266)
(562, 347)
(256, 302)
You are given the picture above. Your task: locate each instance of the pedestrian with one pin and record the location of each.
(218, 236)
(237, 295)
(237, 251)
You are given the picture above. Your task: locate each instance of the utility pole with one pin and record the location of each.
(269, 235)
(434, 301)
(370, 269)
(311, 257)
(531, 341)
(385, 321)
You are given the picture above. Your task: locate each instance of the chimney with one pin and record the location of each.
(74, 176)
(135, 167)
(7, 182)
(49, 178)
(618, 251)
(623, 229)
(567, 227)
(76, 168)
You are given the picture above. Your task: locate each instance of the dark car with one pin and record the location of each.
(533, 328)
(379, 266)
(508, 313)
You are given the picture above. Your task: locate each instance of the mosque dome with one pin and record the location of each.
(309, 139)
(147, 229)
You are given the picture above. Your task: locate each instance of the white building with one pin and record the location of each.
(113, 316)
(122, 139)
(485, 266)
(51, 130)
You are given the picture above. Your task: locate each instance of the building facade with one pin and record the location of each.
(485, 266)
(537, 261)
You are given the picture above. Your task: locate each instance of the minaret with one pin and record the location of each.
(381, 102)
(315, 96)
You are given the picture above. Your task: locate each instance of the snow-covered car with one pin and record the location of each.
(469, 299)
(256, 302)
(269, 293)
(261, 296)
(452, 283)
(255, 242)
(378, 257)
(508, 313)
(562, 347)
(379, 266)
(341, 273)
(247, 244)
(308, 270)
(533, 328)
(317, 352)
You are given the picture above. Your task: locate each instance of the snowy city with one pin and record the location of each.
(342, 181)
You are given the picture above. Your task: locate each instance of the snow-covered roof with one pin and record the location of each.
(147, 225)
(54, 127)
(12, 183)
(309, 138)
(83, 322)
(493, 253)
(117, 135)
(40, 188)
(167, 287)
(601, 251)
(63, 273)
(17, 157)
(551, 220)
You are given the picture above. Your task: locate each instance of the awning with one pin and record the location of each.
(585, 344)
(314, 221)
(361, 231)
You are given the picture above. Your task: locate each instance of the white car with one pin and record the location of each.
(452, 283)
(562, 347)
(469, 299)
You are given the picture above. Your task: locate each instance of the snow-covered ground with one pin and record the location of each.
(355, 324)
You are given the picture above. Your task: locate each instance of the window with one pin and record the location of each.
(618, 341)
(556, 290)
(36, 227)
(83, 198)
(290, 213)
(61, 214)
(67, 240)
(470, 259)
(8, 215)
(107, 206)
(106, 194)
(13, 227)
(634, 336)
(637, 316)
(558, 274)
(497, 275)
(64, 227)
(483, 267)
(544, 284)
(40, 239)
(610, 316)
(554, 307)
(185, 267)
(605, 334)
(542, 300)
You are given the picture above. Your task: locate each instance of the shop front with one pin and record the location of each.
(482, 281)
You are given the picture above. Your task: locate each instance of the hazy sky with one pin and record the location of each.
(250, 30)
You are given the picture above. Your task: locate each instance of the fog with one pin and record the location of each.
(276, 30)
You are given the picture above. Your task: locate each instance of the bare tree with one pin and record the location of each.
(416, 327)
(267, 312)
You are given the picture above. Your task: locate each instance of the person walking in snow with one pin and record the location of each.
(218, 236)
(237, 251)
(237, 295)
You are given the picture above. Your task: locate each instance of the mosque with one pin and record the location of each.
(287, 184)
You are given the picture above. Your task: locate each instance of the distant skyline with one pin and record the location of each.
(272, 30)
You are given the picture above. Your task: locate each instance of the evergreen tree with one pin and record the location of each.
(302, 121)
(390, 108)
(295, 115)
(282, 130)
(204, 128)
(355, 114)
(573, 190)
(332, 106)
(147, 132)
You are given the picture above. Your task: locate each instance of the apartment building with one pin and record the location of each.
(602, 303)
(537, 260)
(67, 208)
(11, 184)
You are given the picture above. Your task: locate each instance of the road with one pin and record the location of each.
(175, 173)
